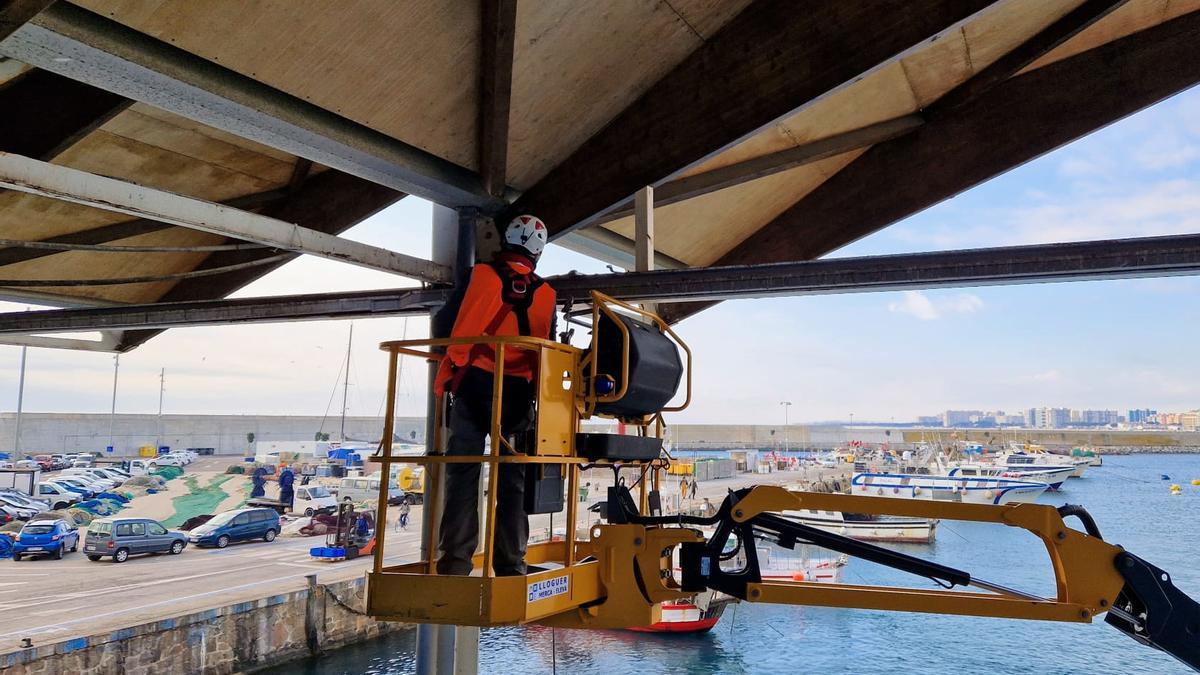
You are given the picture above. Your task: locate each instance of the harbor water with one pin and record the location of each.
(1128, 497)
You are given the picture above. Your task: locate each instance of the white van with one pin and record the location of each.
(361, 488)
(310, 499)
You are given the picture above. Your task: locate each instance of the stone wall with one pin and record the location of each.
(235, 638)
(71, 432)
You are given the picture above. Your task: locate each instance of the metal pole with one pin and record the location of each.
(346, 386)
(787, 448)
(445, 650)
(112, 416)
(20, 405)
(162, 386)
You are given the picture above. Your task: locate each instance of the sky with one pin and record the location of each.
(873, 356)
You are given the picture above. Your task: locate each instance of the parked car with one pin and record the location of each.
(93, 475)
(5, 464)
(24, 498)
(120, 538)
(238, 525)
(361, 488)
(27, 505)
(60, 497)
(163, 460)
(90, 482)
(115, 475)
(27, 464)
(46, 537)
(46, 462)
(16, 512)
(74, 484)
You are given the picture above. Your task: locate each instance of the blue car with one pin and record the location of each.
(238, 525)
(46, 537)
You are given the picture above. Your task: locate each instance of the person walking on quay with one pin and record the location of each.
(683, 488)
(694, 484)
(583, 491)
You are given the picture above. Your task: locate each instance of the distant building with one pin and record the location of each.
(1166, 419)
(1049, 418)
(1141, 416)
(1099, 417)
(960, 418)
(930, 420)
(1190, 420)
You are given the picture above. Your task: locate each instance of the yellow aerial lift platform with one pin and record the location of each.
(619, 576)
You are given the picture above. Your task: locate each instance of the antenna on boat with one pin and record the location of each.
(346, 385)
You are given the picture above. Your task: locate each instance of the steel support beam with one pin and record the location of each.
(772, 59)
(1089, 260)
(85, 46)
(682, 189)
(612, 248)
(117, 231)
(79, 187)
(108, 342)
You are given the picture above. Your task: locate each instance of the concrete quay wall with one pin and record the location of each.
(241, 637)
(227, 434)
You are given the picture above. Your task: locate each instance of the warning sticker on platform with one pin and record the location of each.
(540, 590)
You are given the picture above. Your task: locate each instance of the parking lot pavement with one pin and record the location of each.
(53, 600)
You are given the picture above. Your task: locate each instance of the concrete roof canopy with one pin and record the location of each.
(773, 131)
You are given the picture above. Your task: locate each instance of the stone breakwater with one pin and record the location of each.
(1148, 450)
(241, 637)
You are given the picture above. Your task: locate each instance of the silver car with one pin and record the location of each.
(120, 538)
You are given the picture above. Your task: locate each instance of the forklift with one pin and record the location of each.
(624, 569)
(347, 540)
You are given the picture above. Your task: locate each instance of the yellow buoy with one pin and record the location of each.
(1175, 489)
(1196, 481)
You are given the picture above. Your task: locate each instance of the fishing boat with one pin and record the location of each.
(951, 487)
(1028, 454)
(869, 528)
(697, 615)
(1053, 476)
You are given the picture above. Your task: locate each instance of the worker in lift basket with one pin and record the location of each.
(503, 298)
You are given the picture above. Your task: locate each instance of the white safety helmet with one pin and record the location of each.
(526, 234)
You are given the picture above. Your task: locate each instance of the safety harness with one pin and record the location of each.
(517, 296)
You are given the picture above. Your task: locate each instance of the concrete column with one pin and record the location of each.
(446, 650)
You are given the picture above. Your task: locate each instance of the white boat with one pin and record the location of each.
(1053, 476)
(1023, 455)
(868, 528)
(802, 564)
(1023, 460)
(957, 488)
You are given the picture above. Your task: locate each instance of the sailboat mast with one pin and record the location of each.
(346, 385)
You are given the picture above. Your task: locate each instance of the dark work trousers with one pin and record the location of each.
(470, 422)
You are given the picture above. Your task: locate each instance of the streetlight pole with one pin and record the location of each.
(162, 386)
(20, 406)
(112, 416)
(786, 445)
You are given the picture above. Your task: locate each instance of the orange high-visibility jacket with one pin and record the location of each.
(483, 302)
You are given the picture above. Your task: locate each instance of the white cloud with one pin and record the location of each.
(915, 303)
